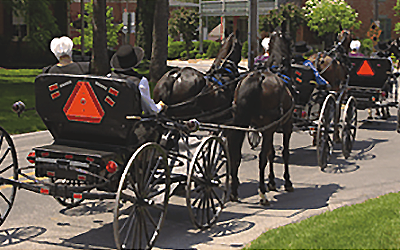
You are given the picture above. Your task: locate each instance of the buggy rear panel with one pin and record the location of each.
(369, 72)
(302, 77)
(90, 109)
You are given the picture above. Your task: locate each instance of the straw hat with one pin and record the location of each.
(61, 46)
(127, 57)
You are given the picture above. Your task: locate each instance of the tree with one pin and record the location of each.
(289, 13)
(326, 17)
(184, 22)
(111, 29)
(100, 64)
(39, 19)
(159, 55)
(144, 25)
(396, 8)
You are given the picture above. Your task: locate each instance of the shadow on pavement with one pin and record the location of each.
(13, 236)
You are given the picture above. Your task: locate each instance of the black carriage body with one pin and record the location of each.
(304, 81)
(86, 116)
(368, 78)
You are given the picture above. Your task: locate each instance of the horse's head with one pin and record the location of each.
(344, 39)
(230, 53)
(280, 53)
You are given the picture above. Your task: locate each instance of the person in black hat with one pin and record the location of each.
(299, 50)
(123, 63)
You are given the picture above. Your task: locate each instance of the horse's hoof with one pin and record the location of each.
(264, 203)
(234, 198)
(271, 187)
(289, 189)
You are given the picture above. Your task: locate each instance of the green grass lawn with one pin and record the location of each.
(373, 224)
(17, 85)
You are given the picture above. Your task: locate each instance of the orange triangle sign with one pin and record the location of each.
(365, 69)
(83, 105)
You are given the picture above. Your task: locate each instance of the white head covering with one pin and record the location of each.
(61, 46)
(265, 44)
(355, 45)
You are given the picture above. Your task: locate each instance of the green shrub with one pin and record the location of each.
(367, 46)
(192, 54)
(213, 49)
(245, 49)
(175, 49)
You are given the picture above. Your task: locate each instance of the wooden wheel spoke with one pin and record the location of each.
(5, 155)
(156, 193)
(144, 227)
(150, 218)
(5, 198)
(216, 196)
(131, 217)
(6, 168)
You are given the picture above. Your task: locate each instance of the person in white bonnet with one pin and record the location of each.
(264, 56)
(355, 46)
(62, 50)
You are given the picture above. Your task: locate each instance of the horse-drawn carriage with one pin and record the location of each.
(104, 149)
(374, 85)
(329, 115)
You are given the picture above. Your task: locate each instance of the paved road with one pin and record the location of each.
(39, 222)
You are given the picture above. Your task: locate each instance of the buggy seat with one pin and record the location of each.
(89, 109)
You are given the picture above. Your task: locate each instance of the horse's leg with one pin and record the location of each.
(267, 154)
(235, 140)
(287, 132)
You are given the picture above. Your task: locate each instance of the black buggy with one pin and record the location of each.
(329, 116)
(374, 84)
(104, 148)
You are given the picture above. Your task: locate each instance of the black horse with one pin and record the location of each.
(263, 100)
(191, 94)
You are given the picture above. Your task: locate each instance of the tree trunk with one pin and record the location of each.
(100, 60)
(159, 55)
(144, 25)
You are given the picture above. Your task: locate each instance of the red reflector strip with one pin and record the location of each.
(109, 101)
(81, 177)
(113, 91)
(69, 157)
(90, 159)
(45, 190)
(77, 196)
(298, 73)
(53, 87)
(31, 157)
(55, 95)
(51, 173)
(45, 154)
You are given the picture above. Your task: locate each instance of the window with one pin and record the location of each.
(386, 27)
(20, 30)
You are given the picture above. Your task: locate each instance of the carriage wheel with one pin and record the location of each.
(324, 141)
(9, 170)
(254, 139)
(207, 188)
(142, 198)
(349, 126)
(69, 202)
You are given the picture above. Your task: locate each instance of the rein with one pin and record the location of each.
(202, 93)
